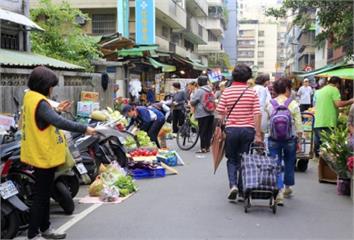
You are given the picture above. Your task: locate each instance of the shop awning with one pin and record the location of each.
(164, 67)
(345, 73)
(197, 65)
(320, 70)
(19, 19)
(138, 51)
(27, 59)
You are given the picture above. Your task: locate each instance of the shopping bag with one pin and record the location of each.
(218, 146)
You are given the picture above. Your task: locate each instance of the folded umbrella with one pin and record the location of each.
(218, 147)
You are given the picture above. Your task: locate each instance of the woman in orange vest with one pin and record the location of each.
(43, 146)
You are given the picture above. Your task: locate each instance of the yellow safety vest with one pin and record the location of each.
(42, 148)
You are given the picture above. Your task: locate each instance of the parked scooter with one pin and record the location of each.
(14, 212)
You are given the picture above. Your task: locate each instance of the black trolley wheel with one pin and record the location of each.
(301, 165)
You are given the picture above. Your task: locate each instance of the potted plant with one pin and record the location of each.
(335, 152)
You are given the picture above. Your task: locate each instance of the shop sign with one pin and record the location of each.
(145, 22)
(123, 17)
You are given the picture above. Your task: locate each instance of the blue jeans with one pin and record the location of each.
(237, 142)
(286, 153)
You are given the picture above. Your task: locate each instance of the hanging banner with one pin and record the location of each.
(123, 17)
(145, 22)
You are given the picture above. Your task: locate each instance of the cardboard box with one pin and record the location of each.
(325, 174)
(90, 96)
(85, 108)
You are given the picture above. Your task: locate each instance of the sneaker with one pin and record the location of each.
(233, 193)
(288, 192)
(280, 199)
(38, 237)
(51, 234)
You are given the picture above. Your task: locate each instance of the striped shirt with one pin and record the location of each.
(243, 113)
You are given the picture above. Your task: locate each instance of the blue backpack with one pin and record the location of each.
(281, 121)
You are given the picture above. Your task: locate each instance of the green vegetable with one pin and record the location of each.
(125, 183)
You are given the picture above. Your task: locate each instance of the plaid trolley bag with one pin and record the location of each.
(259, 176)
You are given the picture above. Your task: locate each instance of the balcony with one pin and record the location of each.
(164, 45)
(172, 14)
(195, 32)
(211, 47)
(215, 2)
(215, 25)
(198, 8)
(181, 51)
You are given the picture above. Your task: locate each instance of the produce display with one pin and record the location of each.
(144, 139)
(140, 152)
(109, 115)
(113, 182)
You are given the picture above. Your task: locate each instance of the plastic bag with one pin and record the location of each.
(109, 194)
(96, 187)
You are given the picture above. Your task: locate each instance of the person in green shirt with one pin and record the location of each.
(328, 100)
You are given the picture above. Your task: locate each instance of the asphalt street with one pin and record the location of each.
(194, 205)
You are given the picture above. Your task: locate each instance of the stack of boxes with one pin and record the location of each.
(89, 103)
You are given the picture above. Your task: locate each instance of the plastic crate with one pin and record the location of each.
(170, 161)
(148, 173)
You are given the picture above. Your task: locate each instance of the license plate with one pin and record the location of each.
(81, 168)
(8, 189)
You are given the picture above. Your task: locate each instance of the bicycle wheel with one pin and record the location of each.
(187, 136)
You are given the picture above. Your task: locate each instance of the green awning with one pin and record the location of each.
(138, 51)
(320, 70)
(197, 66)
(164, 67)
(345, 73)
(28, 59)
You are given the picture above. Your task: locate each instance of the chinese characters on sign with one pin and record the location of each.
(145, 22)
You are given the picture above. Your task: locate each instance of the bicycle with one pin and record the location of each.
(188, 133)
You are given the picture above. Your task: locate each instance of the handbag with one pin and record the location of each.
(219, 137)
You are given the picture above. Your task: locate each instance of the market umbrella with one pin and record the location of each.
(218, 147)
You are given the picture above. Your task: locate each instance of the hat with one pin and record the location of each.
(127, 108)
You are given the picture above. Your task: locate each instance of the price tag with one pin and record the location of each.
(81, 168)
(8, 189)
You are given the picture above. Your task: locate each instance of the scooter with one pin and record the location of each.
(14, 212)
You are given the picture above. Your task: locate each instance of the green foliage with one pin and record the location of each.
(219, 60)
(63, 38)
(335, 150)
(335, 17)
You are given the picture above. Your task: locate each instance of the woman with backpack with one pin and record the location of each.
(204, 103)
(285, 128)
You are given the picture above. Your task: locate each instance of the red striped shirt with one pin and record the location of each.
(243, 113)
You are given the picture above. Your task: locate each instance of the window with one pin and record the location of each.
(200, 30)
(9, 41)
(164, 31)
(260, 54)
(246, 43)
(188, 45)
(246, 54)
(248, 63)
(261, 34)
(103, 23)
(211, 37)
(260, 43)
(261, 64)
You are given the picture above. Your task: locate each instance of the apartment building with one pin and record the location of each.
(230, 39)
(190, 28)
(257, 45)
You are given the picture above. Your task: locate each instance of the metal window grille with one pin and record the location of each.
(103, 23)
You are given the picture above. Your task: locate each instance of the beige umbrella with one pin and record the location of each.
(218, 147)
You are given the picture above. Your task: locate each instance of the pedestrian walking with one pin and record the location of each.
(204, 112)
(285, 129)
(222, 86)
(328, 100)
(149, 120)
(305, 93)
(43, 146)
(264, 98)
(179, 101)
(242, 125)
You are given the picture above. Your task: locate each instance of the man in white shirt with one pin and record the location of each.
(305, 92)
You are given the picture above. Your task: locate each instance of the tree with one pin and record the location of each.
(63, 37)
(335, 17)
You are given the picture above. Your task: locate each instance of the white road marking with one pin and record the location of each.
(78, 217)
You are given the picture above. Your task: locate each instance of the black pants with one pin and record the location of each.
(238, 140)
(178, 119)
(304, 107)
(154, 130)
(318, 141)
(205, 131)
(39, 213)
